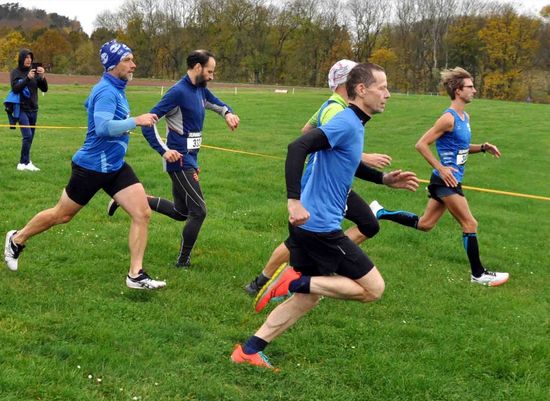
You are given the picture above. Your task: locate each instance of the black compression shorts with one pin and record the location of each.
(84, 183)
(324, 254)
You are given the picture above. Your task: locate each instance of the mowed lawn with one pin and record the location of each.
(71, 330)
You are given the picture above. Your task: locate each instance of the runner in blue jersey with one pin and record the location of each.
(184, 108)
(99, 164)
(357, 210)
(326, 262)
(452, 136)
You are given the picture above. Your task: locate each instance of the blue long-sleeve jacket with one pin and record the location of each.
(184, 108)
(13, 107)
(109, 120)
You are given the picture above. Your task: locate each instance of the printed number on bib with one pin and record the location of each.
(462, 157)
(194, 142)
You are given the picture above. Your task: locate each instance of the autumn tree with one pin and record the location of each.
(9, 50)
(367, 18)
(510, 45)
(53, 48)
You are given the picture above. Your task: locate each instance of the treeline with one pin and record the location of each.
(295, 42)
(14, 16)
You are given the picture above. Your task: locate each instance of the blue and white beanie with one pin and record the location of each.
(112, 52)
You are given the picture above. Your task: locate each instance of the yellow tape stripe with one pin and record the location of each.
(40, 126)
(496, 191)
(243, 152)
(492, 191)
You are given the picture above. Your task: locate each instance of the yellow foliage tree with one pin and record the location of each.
(52, 45)
(9, 50)
(510, 45)
(387, 59)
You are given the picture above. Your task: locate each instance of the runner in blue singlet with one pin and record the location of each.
(451, 134)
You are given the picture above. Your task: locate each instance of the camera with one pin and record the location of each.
(34, 66)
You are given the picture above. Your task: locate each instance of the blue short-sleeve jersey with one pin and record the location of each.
(453, 146)
(326, 183)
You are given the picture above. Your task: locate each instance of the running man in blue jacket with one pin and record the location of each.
(184, 107)
(99, 164)
(325, 261)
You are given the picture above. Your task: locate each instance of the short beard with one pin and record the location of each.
(129, 77)
(201, 82)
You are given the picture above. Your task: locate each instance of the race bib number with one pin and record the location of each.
(194, 140)
(462, 156)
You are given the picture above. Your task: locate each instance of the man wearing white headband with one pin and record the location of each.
(99, 164)
(358, 211)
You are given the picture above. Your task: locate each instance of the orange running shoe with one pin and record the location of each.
(257, 359)
(276, 287)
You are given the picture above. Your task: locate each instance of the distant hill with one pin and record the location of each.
(12, 16)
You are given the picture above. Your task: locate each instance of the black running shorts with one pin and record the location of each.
(324, 254)
(438, 189)
(84, 183)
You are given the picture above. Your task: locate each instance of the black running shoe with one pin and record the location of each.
(184, 262)
(256, 285)
(112, 207)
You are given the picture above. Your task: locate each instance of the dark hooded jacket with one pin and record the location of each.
(19, 80)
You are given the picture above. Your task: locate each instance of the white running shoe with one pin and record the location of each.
(375, 207)
(12, 251)
(32, 167)
(491, 279)
(21, 167)
(144, 282)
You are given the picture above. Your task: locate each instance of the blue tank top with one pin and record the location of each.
(453, 146)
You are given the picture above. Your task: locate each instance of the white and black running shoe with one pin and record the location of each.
(144, 282)
(12, 251)
(491, 279)
(112, 207)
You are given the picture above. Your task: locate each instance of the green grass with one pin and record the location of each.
(67, 313)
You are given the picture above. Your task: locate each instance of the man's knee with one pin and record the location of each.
(469, 226)
(198, 214)
(373, 292)
(424, 225)
(370, 229)
(141, 214)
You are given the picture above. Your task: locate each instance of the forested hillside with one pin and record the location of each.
(294, 42)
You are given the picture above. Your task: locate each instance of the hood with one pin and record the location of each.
(22, 55)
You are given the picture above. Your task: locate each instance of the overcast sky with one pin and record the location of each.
(86, 10)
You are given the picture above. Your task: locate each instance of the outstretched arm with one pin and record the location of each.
(213, 103)
(401, 180)
(104, 113)
(395, 179)
(376, 160)
(485, 147)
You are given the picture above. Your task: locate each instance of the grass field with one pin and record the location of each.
(71, 330)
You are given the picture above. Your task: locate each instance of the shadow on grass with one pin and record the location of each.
(140, 295)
